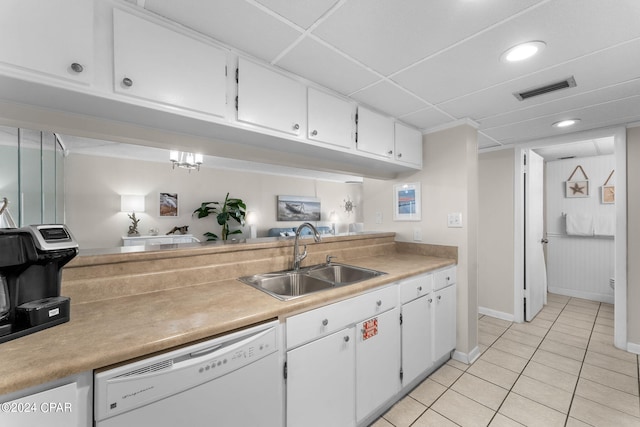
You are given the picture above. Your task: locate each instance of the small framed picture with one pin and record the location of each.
(608, 194)
(406, 202)
(168, 204)
(577, 189)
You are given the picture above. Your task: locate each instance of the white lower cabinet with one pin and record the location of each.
(377, 362)
(444, 321)
(417, 355)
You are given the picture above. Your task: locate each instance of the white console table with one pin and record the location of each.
(157, 240)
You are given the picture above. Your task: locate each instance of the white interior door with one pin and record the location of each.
(535, 277)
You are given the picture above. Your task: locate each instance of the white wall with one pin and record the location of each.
(496, 234)
(449, 182)
(94, 185)
(579, 266)
(633, 237)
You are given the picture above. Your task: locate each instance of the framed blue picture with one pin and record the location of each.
(407, 202)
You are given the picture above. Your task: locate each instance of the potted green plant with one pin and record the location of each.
(230, 209)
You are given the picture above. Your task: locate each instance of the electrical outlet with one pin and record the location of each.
(378, 217)
(454, 220)
(417, 234)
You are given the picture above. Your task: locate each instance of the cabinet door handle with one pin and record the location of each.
(420, 288)
(325, 322)
(399, 155)
(346, 338)
(314, 132)
(296, 126)
(127, 82)
(439, 297)
(379, 303)
(78, 68)
(390, 152)
(430, 300)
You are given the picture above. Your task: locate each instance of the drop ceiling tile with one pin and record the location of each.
(388, 98)
(569, 31)
(577, 149)
(485, 142)
(316, 62)
(592, 117)
(426, 118)
(388, 36)
(300, 12)
(622, 64)
(235, 23)
(570, 103)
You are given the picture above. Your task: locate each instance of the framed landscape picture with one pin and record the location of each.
(297, 208)
(168, 204)
(406, 202)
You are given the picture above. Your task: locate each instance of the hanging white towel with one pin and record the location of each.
(604, 225)
(580, 224)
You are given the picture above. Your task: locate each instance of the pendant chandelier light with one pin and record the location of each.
(186, 160)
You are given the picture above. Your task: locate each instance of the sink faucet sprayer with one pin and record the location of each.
(297, 257)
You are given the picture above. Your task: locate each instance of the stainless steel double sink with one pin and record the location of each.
(289, 284)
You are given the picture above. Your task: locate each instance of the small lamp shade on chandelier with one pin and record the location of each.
(186, 160)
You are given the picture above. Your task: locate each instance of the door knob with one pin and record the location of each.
(544, 241)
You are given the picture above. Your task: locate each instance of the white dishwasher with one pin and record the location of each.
(233, 380)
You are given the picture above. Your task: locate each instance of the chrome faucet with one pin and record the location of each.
(297, 257)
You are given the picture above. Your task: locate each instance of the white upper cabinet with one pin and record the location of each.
(331, 119)
(53, 37)
(269, 99)
(375, 133)
(155, 63)
(408, 145)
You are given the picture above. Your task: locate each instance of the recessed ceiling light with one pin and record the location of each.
(565, 123)
(522, 51)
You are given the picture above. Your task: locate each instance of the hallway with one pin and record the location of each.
(561, 369)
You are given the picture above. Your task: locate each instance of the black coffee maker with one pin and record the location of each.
(31, 261)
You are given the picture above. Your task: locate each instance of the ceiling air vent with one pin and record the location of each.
(530, 93)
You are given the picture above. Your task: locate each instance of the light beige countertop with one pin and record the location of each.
(110, 331)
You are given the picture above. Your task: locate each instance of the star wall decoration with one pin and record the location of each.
(577, 189)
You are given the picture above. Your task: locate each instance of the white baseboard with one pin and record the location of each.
(581, 294)
(466, 358)
(633, 348)
(497, 314)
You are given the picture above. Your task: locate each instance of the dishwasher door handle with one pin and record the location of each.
(204, 351)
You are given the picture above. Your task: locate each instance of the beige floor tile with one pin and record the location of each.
(523, 338)
(481, 391)
(546, 316)
(381, 422)
(405, 412)
(568, 339)
(501, 421)
(583, 302)
(564, 364)
(482, 347)
(433, 419)
(493, 373)
(563, 349)
(607, 396)
(597, 415)
(612, 363)
(491, 329)
(609, 378)
(495, 321)
(457, 364)
(606, 307)
(529, 328)
(486, 339)
(530, 413)
(558, 298)
(610, 350)
(541, 323)
(603, 329)
(603, 321)
(446, 375)
(572, 422)
(506, 360)
(551, 376)
(606, 314)
(514, 347)
(543, 393)
(587, 317)
(571, 330)
(601, 338)
(582, 309)
(427, 392)
(450, 406)
(575, 322)
(554, 311)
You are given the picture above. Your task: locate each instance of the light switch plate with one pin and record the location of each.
(417, 234)
(378, 217)
(454, 220)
